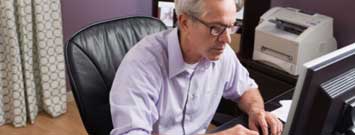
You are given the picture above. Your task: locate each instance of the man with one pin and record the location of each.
(171, 82)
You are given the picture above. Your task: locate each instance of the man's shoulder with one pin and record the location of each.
(229, 55)
(154, 41)
(229, 61)
(151, 49)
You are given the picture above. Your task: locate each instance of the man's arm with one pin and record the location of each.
(252, 103)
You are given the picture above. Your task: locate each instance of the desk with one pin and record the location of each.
(272, 84)
(270, 105)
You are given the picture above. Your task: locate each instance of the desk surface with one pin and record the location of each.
(270, 105)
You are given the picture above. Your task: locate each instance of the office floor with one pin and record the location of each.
(67, 124)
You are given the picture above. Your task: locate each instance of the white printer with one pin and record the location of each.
(286, 38)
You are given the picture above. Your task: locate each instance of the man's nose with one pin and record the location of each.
(225, 37)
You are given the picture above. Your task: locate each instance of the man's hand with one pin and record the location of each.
(238, 130)
(252, 103)
(265, 121)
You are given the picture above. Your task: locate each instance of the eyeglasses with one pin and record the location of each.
(217, 30)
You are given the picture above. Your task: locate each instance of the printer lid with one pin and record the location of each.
(291, 19)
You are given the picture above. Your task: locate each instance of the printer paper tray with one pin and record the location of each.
(275, 62)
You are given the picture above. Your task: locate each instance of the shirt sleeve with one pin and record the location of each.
(133, 95)
(132, 132)
(239, 80)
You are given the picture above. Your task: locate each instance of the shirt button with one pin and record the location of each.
(188, 118)
(193, 96)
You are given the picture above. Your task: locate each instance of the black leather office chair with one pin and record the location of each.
(92, 57)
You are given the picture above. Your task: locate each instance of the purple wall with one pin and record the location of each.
(342, 11)
(79, 13)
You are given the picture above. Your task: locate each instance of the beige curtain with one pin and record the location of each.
(32, 76)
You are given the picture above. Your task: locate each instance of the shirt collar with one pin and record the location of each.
(176, 60)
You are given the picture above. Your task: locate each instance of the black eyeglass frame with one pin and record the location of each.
(217, 31)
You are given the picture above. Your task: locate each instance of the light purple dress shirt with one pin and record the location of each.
(154, 92)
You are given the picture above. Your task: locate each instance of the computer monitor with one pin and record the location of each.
(324, 98)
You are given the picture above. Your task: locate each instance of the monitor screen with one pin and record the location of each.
(324, 95)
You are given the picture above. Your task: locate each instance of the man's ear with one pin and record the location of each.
(183, 21)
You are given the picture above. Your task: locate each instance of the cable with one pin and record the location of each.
(185, 106)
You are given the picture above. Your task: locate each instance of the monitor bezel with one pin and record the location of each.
(333, 64)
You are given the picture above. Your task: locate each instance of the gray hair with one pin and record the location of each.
(196, 7)
(189, 7)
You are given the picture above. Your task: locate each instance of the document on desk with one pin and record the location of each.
(282, 112)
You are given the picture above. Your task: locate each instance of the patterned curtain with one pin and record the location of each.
(32, 76)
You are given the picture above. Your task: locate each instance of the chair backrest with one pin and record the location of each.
(92, 57)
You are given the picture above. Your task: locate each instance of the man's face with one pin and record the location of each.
(219, 14)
